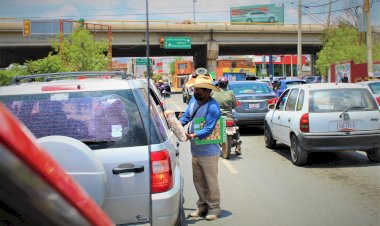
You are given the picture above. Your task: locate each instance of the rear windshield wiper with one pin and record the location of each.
(350, 108)
(98, 141)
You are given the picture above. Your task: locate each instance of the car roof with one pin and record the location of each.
(88, 84)
(322, 86)
(368, 82)
(247, 81)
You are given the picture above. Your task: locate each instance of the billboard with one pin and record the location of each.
(268, 13)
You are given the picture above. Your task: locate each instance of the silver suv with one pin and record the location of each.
(96, 127)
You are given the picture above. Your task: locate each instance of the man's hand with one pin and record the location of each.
(191, 136)
(168, 112)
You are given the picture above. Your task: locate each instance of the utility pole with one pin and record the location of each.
(194, 1)
(299, 41)
(329, 16)
(367, 10)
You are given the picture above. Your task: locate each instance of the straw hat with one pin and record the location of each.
(202, 81)
(161, 80)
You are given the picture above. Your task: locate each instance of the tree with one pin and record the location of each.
(342, 44)
(172, 65)
(77, 52)
(80, 52)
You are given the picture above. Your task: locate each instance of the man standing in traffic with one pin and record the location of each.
(204, 157)
(227, 101)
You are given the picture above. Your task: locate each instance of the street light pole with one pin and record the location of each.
(299, 41)
(367, 9)
(194, 1)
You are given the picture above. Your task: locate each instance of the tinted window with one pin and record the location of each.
(250, 88)
(341, 99)
(102, 119)
(291, 104)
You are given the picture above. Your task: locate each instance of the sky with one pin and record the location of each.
(314, 11)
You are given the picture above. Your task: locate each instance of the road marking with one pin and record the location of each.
(230, 167)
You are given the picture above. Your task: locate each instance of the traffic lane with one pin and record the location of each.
(263, 187)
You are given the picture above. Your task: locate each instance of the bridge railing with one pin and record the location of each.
(16, 24)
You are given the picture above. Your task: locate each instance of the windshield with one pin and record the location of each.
(100, 119)
(339, 100)
(375, 87)
(250, 88)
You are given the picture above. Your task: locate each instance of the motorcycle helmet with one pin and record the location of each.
(223, 82)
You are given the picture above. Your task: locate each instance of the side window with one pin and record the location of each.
(276, 85)
(281, 102)
(300, 100)
(292, 100)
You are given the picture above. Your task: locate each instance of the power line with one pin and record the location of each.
(310, 6)
(317, 20)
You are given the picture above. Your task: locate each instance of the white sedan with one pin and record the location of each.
(324, 118)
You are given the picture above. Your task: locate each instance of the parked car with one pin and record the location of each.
(313, 79)
(282, 84)
(324, 118)
(267, 81)
(252, 100)
(34, 189)
(260, 16)
(374, 87)
(97, 129)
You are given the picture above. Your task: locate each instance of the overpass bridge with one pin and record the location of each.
(209, 40)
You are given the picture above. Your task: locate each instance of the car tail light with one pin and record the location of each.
(161, 170)
(272, 101)
(238, 103)
(304, 123)
(230, 123)
(378, 100)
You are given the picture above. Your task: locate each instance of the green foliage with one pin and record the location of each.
(78, 52)
(81, 53)
(343, 44)
(14, 70)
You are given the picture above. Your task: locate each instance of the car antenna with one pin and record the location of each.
(149, 121)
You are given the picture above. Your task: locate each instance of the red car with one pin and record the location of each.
(34, 189)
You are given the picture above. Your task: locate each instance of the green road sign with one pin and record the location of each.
(177, 43)
(143, 61)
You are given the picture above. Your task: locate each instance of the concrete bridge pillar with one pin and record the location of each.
(212, 55)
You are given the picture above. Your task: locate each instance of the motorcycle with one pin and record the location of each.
(231, 139)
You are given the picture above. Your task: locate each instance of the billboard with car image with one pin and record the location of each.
(267, 13)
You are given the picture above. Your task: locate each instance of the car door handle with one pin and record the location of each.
(288, 119)
(128, 167)
(278, 117)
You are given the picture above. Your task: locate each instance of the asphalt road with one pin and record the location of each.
(263, 187)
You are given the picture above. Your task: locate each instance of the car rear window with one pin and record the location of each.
(101, 119)
(340, 100)
(250, 88)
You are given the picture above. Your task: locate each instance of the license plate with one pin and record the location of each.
(254, 106)
(230, 130)
(345, 126)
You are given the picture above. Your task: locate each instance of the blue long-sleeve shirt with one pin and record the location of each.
(211, 112)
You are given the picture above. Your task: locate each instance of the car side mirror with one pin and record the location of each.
(271, 106)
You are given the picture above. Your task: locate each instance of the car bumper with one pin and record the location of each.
(249, 118)
(325, 143)
(167, 205)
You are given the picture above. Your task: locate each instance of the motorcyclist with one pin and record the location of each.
(227, 101)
